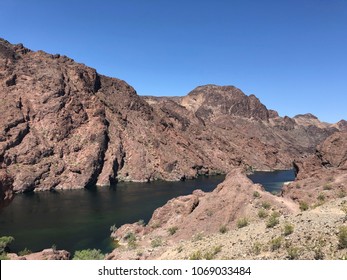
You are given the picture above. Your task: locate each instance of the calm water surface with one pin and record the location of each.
(80, 219)
(273, 181)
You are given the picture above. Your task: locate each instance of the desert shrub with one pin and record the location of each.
(303, 206)
(24, 252)
(256, 194)
(131, 239)
(157, 242)
(197, 237)
(265, 205)
(321, 197)
(196, 255)
(256, 248)
(4, 242)
(4, 257)
(262, 214)
(288, 229)
(141, 222)
(113, 228)
(180, 249)
(89, 254)
(275, 243)
(327, 187)
(293, 253)
(172, 230)
(223, 229)
(217, 249)
(242, 222)
(342, 237)
(273, 220)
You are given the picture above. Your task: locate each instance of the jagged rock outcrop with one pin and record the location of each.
(321, 176)
(203, 213)
(65, 126)
(6, 191)
(46, 254)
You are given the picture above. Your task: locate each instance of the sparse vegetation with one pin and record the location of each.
(266, 205)
(24, 252)
(242, 222)
(327, 187)
(197, 237)
(275, 243)
(293, 253)
(130, 237)
(342, 237)
(303, 206)
(262, 214)
(113, 228)
(196, 255)
(172, 230)
(257, 246)
(273, 220)
(4, 242)
(89, 254)
(256, 194)
(156, 242)
(321, 197)
(209, 255)
(288, 229)
(223, 229)
(141, 222)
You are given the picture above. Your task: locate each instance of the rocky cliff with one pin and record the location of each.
(65, 126)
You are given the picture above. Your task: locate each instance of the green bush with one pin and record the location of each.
(288, 229)
(4, 257)
(293, 253)
(172, 230)
(262, 214)
(196, 255)
(266, 205)
(242, 222)
(89, 254)
(273, 220)
(156, 242)
(24, 252)
(321, 197)
(343, 237)
(276, 243)
(113, 228)
(4, 242)
(303, 206)
(256, 248)
(223, 229)
(256, 194)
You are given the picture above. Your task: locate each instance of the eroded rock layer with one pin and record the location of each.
(65, 126)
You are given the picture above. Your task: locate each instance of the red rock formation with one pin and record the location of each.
(65, 126)
(321, 176)
(6, 192)
(47, 254)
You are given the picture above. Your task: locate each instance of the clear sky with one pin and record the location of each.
(292, 54)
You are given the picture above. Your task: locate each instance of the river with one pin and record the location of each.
(81, 219)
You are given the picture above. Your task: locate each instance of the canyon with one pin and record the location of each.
(65, 126)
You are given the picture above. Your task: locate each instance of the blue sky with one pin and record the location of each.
(291, 54)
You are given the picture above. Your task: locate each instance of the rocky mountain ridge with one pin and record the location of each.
(66, 126)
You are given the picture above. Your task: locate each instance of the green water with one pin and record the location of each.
(80, 219)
